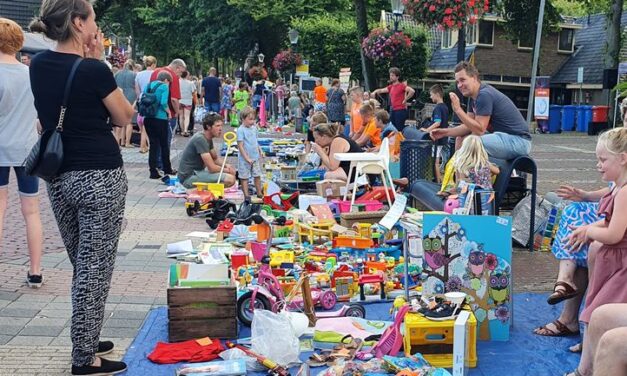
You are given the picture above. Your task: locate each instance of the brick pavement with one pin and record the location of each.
(34, 324)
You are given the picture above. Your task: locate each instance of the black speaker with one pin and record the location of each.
(609, 78)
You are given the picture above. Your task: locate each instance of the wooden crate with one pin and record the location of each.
(202, 312)
(348, 219)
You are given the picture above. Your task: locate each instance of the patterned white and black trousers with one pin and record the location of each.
(89, 208)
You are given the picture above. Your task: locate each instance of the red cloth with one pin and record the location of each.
(188, 351)
(397, 95)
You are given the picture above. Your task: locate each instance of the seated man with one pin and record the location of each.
(199, 161)
(492, 115)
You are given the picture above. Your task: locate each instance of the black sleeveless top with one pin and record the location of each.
(353, 148)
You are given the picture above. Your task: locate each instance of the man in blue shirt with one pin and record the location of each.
(212, 91)
(492, 115)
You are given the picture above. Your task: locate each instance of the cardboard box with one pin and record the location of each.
(305, 200)
(347, 219)
(331, 188)
(460, 344)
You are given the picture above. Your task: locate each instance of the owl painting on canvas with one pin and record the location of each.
(434, 252)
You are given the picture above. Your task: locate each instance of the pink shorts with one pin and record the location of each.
(140, 120)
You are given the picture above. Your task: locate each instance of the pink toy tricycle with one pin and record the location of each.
(267, 294)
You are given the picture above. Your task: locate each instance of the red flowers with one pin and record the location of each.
(384, 44)
(285, 60)
(447, 14)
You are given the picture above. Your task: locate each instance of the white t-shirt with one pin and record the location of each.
(187, 90)
(142, 79)
(18, 130)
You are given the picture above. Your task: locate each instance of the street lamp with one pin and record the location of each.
(293, 35)
(261, 57)
(397, 10)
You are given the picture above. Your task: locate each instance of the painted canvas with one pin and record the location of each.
(472, 254)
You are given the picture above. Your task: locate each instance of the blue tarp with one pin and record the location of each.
(525, 354)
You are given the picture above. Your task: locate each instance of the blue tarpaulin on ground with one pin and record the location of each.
(525, 354)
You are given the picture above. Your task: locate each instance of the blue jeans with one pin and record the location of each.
(212, 106)
(27, 185)
(505, 146)
(398, 118)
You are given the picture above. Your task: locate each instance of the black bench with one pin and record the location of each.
(424, 191)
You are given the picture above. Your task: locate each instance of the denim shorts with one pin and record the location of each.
(505, 146)
(26, 184)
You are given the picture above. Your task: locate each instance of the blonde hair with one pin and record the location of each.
(150, 61)
(472, 155)
(366, 109)
(11, 36)
(382, 116)
(318, 118)
(614, 140)
(327, 129)
(246, 111)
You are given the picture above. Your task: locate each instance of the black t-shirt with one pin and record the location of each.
(440, 114)
(88, 143)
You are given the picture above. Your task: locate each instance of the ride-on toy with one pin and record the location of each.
(267, 294)
(198, 199)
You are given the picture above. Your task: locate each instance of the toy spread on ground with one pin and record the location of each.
(301, 265)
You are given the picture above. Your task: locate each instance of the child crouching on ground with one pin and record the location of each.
(250, 154)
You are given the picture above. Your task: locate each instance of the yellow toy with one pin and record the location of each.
(399, 301)
(362, 229)
(279, 257)
(312, 231)
(230, 139)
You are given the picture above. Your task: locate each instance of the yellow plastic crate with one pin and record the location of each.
(434, 340)
(216, 188)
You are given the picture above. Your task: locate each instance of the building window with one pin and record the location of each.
(566, 40)
(471, 33)
(525, 43)
(449, 38)
(486, 33)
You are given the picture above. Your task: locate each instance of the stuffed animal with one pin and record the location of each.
(451, 204)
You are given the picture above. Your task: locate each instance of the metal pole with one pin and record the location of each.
(536, 56)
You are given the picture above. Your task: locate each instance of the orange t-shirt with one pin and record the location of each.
(356, 119)
(373, 133)
(320, 94)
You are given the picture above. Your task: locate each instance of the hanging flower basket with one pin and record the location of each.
(258, 73)
(447, 14)
(285, 60)
(384, 44)
(117, 58)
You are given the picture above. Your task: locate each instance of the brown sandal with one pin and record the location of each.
(566, 292)
(562, 330)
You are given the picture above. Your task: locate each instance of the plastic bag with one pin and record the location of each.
(273, 336)
(252, 364)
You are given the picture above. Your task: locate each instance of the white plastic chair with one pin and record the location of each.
(380, 167)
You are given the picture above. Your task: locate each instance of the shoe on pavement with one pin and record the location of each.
(107, 367)
(104, 347)
(34, 280)
(156, 175)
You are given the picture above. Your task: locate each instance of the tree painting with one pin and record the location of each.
(471, 254)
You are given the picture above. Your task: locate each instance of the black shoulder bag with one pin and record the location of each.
(46, 156)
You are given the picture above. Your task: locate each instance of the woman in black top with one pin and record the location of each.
(88, 194)
(328, 137)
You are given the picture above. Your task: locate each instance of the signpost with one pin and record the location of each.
(345, 77)
(580, 82)
(541, 105)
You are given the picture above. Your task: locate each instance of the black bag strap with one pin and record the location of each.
(66, 93)
(154, 88)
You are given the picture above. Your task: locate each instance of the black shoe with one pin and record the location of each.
(107, 367)
(34, 280)
(443, 312)
(156, 175)
(104, 348)
(171, 172)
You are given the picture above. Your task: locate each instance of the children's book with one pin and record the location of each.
(214, 368)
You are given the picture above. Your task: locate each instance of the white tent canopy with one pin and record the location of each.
(34, 42)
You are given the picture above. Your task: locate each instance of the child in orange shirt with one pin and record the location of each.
(371, 134)
(320, 96)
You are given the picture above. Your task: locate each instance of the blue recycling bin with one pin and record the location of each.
(586, 118)
(568, 118)
(555, 119)
(579, 119)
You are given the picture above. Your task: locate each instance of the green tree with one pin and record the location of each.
(521, 18)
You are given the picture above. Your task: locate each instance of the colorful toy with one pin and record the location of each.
(268, 294)
(287, 202)
(198, 199)
(273, 368)
(392, 339)
(369, 279)
(451, 204)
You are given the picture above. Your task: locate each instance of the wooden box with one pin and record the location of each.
(202, 312)
(347, 219)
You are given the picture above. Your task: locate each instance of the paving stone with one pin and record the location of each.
(4, 303)
(66, 332)
(35, 298)
(57, 305)
(123, 323)
(119, 332)
(30, 340)
(45, 321)
(133, 307)
(10, 330)
(63, 299)
(138, 299)
(136, 315)
(11, 296)
(50, 331)
(61, 341)
(18, 312)
(161, 301)
(14, 320)
(26, 305)
(55, 313)
(5, 338)
(114, 298)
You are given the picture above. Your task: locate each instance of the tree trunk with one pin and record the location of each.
(361, 18)
(612, 47)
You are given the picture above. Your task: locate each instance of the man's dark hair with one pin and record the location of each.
(437, 89)
(470, 69)
(184, 74)
(210, 119)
